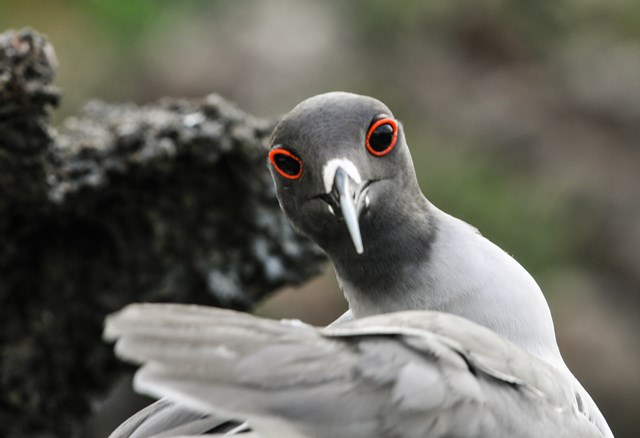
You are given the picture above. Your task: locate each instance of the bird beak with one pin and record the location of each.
(348, 195)
(342, 185)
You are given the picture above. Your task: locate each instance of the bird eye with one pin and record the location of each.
(287, 164)
(382, 136)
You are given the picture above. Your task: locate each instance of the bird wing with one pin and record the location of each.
(405, 374)
(165, 418)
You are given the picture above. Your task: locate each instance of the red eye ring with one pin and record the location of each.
(279, 151)
(376, 124)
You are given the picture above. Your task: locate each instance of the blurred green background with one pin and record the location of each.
(523, 119)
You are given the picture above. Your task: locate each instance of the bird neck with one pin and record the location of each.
(397, 242)
(437, 262)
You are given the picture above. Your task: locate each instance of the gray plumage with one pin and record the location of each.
(408, 374)
(167, 419)
(393, 251)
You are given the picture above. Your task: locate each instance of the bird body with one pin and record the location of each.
(478, 357)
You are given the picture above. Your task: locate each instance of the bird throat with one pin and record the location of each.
(395, 253)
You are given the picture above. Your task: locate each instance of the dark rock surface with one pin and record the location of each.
(170, 201)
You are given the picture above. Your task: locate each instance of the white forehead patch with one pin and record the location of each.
(329, 172)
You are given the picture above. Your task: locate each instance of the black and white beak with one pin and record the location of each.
(346, 194)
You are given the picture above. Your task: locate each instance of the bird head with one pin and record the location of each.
(342, 170)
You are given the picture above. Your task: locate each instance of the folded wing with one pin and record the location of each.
(408, 374)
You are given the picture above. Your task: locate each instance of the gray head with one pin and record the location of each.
(343, 172)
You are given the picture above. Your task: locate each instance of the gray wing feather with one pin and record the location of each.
(397, 375)
(167, 419)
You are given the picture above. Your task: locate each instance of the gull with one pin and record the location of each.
(446, 334)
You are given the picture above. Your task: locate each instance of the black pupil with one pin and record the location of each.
(381, 137)
(287, 164)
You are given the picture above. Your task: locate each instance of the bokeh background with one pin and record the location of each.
(523, 119)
